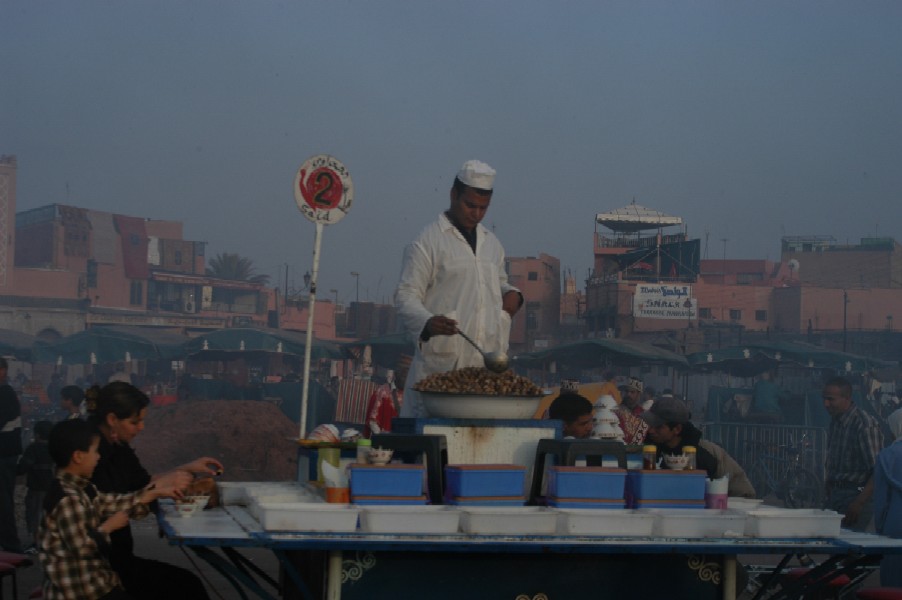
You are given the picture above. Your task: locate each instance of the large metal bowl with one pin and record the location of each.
(462, 406)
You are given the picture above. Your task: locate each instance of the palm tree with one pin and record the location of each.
(235, 268)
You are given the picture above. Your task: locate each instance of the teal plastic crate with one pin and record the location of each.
(387, 480)
(599, 483)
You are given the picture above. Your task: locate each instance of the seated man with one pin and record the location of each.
(576, 413)
(670, 427)
(634, 428)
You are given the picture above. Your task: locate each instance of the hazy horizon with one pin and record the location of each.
(750, 121)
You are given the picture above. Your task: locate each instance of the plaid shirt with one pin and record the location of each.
(854, 440)
(71, 549)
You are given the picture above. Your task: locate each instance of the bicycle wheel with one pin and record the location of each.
(803, 489)
(758, 479)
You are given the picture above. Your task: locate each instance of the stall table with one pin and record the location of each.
(373, 566)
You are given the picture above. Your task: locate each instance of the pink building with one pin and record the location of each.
(64, 268)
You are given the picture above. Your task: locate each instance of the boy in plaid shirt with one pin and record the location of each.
(75, 529)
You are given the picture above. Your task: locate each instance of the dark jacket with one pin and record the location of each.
(10, 422)
(120, 472)
(37, 466)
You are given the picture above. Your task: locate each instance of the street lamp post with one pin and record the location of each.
(845, 330)
(356, 277)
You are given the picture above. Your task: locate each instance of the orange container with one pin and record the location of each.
(340, 495)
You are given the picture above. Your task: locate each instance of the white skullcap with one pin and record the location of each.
(477, 174)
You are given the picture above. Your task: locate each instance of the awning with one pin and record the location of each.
(752, 359)
(106, 345)
(386, 349)
(601, 352)
(219, 344)
(635, 217)
(15, 344)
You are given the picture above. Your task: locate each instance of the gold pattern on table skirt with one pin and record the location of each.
(352, 569)
(707, 570)
(539, 596)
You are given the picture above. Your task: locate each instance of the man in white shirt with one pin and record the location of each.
(453, 278)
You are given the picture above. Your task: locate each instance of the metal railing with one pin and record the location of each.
(743, 441)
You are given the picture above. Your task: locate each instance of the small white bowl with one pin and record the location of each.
(187, 509)
(379, 456)
(676, 462)
(200, 500)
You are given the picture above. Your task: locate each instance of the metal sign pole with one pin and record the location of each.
(308, 345)
(323, 191)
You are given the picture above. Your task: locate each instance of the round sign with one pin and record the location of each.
(323, 189)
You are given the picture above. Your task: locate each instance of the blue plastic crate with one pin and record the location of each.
(488, 501)
(584, 503)
(665, 484)
(484, 480)
(388, 500)
(586, 482)
(387, 480)
(669, 504)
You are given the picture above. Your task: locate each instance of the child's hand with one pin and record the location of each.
(156, 490)
(180, 479)
(115, 521)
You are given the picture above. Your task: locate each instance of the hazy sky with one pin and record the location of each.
(751, 120)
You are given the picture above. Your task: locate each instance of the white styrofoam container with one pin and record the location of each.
(744, 504)
(793, 523)
(305, 516)
(287, 497)
(409, 519)
(614, 522)
(698, 523)
(232, 492)
(512, 520)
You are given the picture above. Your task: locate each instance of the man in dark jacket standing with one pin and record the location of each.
(10, 449)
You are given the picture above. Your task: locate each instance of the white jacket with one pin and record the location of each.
(441, 275)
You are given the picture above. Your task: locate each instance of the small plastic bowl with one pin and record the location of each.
(187, 509)
(676, 462)
(200, 500)
(379, 456)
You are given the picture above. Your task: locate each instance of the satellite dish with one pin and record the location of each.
(793, 265)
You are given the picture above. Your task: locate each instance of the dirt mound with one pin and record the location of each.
(255, 441)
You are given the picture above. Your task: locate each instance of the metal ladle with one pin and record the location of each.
(497, 362)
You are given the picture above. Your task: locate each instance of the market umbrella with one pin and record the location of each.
(16, 344)
(602, 351)
(110, 344)
(223, 343)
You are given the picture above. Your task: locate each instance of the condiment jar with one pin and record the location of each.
(364, 446)
(649, 457)
(692, 453)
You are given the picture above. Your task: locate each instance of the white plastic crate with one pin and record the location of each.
(513, 520)
(698, 523)
(409, 519)
(611, 522)
(298, 516)
(793, 523)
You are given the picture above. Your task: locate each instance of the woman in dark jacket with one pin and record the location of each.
(118, 409)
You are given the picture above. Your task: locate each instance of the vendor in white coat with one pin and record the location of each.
(452, 278)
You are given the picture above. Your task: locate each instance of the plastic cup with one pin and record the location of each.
(331, 456)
